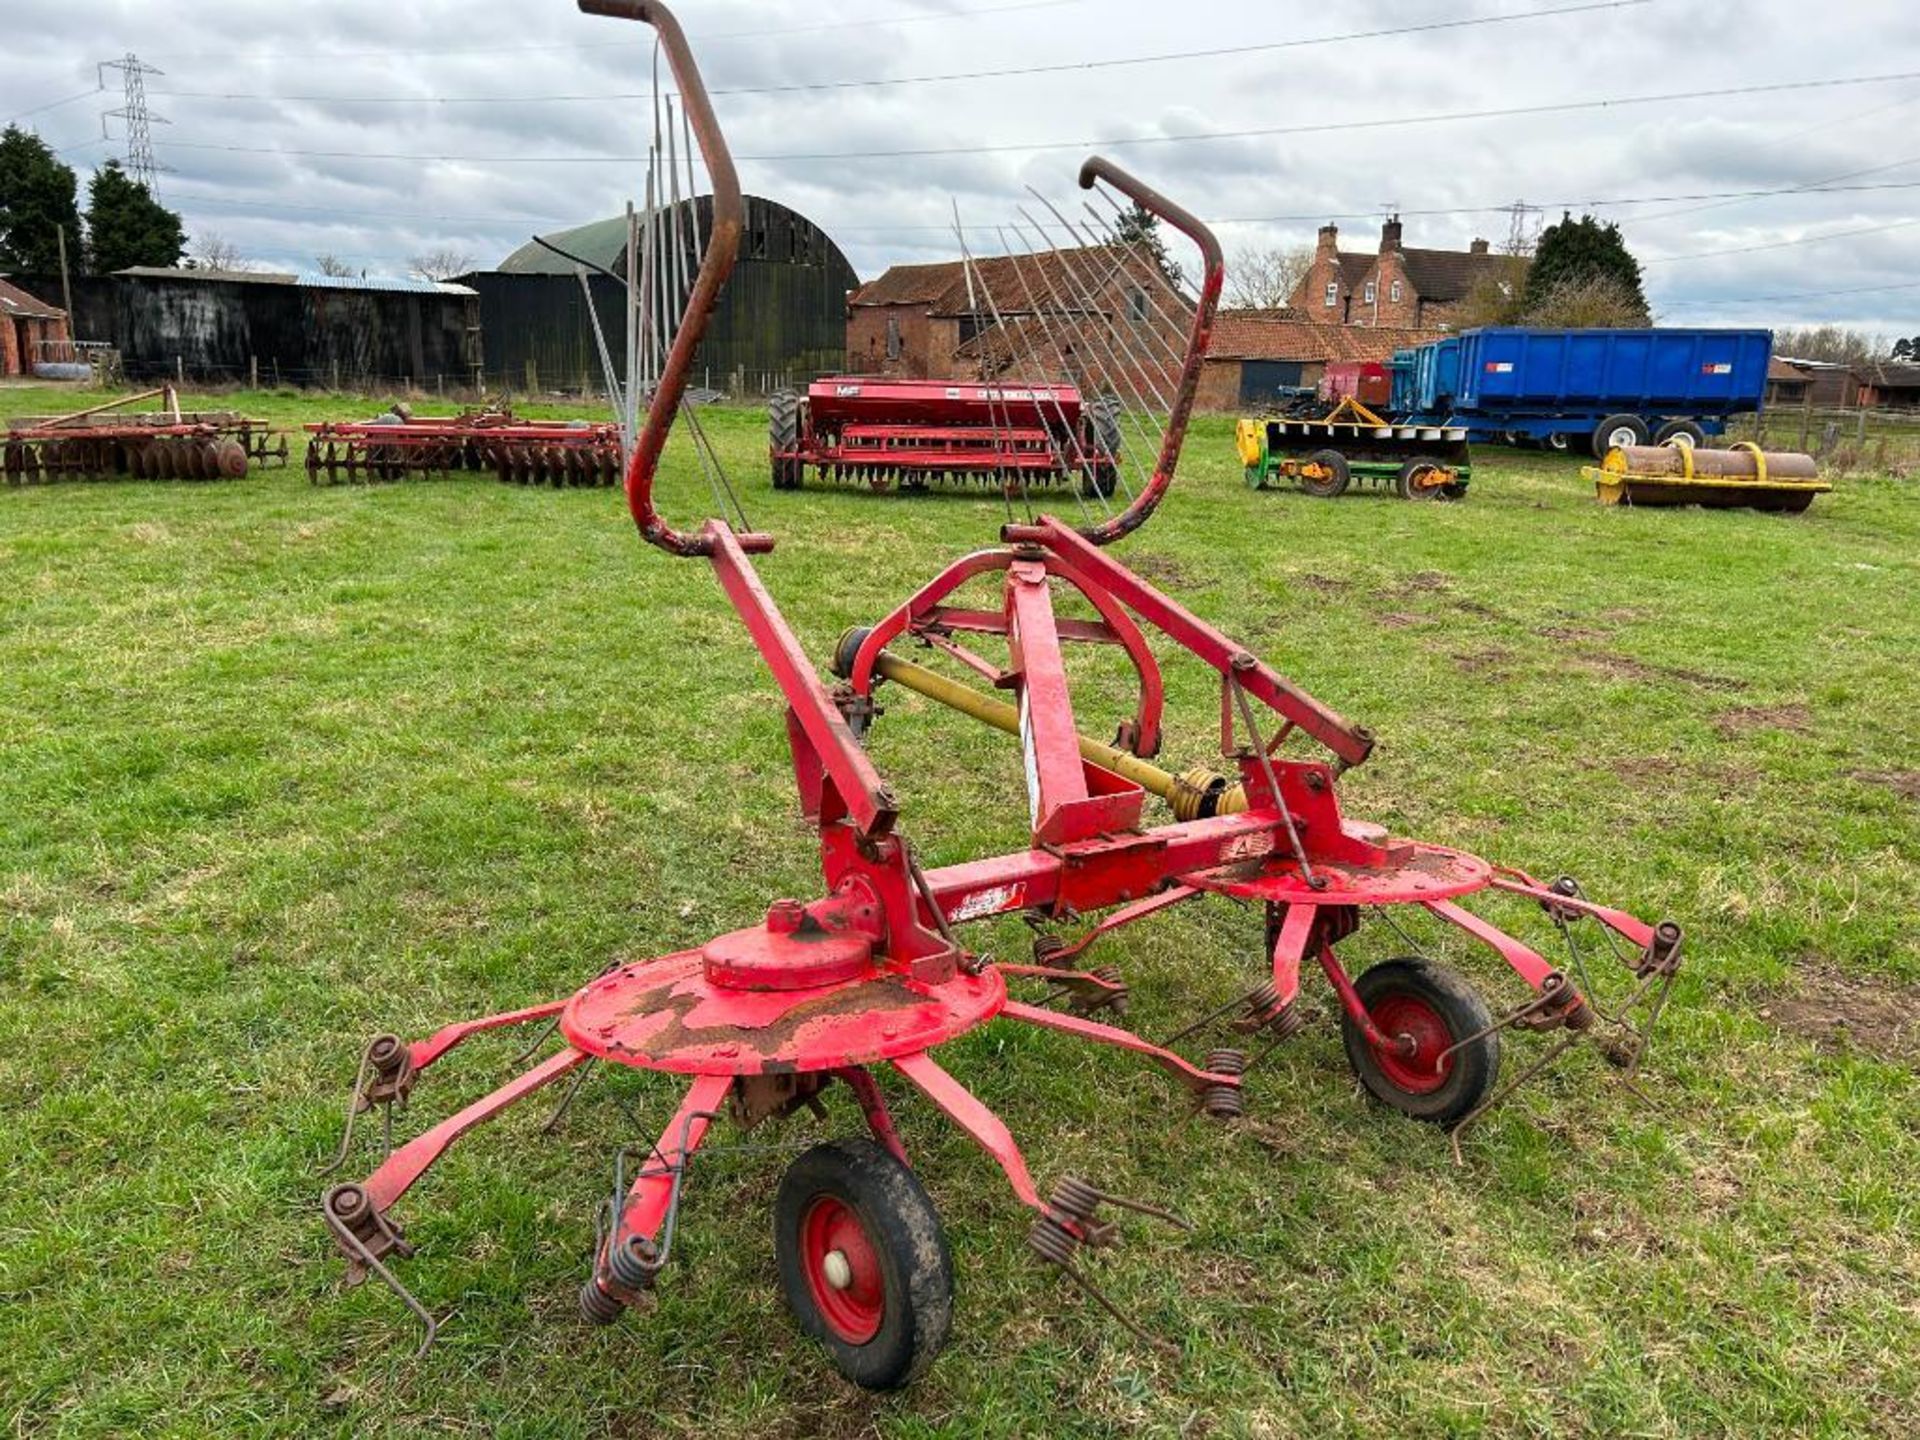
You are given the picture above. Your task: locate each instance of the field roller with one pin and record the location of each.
(1741, 477)
(832, 996)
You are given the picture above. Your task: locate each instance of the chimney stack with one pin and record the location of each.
(1390, 235)
(1329, 241)
(1478, 247)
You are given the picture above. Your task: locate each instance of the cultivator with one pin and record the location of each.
(1352, 445)
(522, 452)
(763, 1021)
(104, 442)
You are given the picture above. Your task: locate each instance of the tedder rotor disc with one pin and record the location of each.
(1429, 872)
(665, 1014)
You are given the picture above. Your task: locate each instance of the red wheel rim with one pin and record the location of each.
(843, 1270)
(1422, 1071)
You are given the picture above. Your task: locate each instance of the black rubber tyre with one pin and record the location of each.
(1433, 1004)
(1618, 430)
(1407, 482)
(1102, 421)
(884, 1313)
(1680, 432)
(1558, 442)
(1335, 484)
(783, 433)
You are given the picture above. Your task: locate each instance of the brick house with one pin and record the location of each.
(1077, 315)
(1397, 286)
(30, 330)
(1256, 353)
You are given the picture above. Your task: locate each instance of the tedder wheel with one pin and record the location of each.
(1332, 484)
(1419, 480)
(1617, 431)
(1416, 997)
(863, 1261)
(1680, 432)
(783, 433)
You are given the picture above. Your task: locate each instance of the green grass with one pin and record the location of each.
(281, 766)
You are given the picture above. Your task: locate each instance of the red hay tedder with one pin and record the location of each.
(873, 974)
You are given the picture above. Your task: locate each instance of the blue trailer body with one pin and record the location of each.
(1561, 384)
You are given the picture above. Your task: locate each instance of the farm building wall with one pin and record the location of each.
(780, 319)
(300, 334)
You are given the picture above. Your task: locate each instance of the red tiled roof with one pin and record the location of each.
(19, 305)
(1010, 284)
(1278, 335)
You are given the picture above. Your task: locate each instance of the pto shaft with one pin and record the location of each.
(1193, 795)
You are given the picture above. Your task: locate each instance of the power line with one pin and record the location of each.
(54, 104)
(1305, 217)
(1799, 295)
(1784, 244)
(1107, 142)
(1062, 67)
(228, 57)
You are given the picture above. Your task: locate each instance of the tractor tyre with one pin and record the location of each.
(863, 1261)
(1102, 440)
(783, 434)
(1616, 432)
(1438, 1009)
(1334, 483)
(1414, 482)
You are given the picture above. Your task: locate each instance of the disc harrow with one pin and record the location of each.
(395, 446)
(826, 996)
(103, 443)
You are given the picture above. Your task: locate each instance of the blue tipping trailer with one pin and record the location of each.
(1584, 387)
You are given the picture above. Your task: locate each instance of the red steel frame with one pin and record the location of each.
(872, 973)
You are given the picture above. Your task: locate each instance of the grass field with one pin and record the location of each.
(281, 766)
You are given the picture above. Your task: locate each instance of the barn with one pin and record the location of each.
(781, 318)
(1258, 353)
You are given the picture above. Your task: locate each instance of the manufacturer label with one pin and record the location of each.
(1499, 367)
(990, 901)
(846, 389)
(1719, 368)
(1247, 847)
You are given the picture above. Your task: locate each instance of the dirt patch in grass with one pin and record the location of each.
(1474, 607)
(1325, 584)
(1423, 582)
(1399, 620)
(1569, 632)
(1796, 718)
(1163, 570)
(1626, 667)
(1904, 783)
(1491, 661)
(1837, 1011)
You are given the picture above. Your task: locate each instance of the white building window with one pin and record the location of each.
(1394, 293)
(1333, 293)
(1366, 296)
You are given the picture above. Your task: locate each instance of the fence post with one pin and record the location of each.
(1806, 418)
(180, 369)
(253, 372)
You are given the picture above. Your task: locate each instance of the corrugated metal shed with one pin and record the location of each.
(19, 305)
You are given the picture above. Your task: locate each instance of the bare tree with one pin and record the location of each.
(1265, 277)
(1829, 342)
(441, 264)
(331, 264)
(216, 252)
(1589, 302)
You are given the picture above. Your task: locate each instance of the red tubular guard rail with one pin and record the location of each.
(723, 247)
(1199, 339)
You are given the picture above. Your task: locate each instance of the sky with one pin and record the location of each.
(376, 133)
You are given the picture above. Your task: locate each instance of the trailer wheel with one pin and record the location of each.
(1680, 432)
(1417, 481)
(1616, 432)
(1334, 482)
(1432, 1004)
(1558, 441)
(783, 434)
(863, 1261)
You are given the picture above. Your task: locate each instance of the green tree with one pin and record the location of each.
(127, 226)
(37, 196)
(1576, 253)
(1139, 229)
